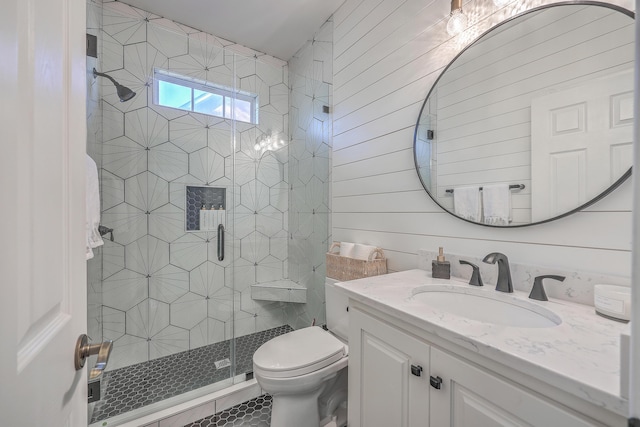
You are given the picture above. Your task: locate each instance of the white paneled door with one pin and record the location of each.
(42, 220)
(581, 143)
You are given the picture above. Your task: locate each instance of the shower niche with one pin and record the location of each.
(205, 208)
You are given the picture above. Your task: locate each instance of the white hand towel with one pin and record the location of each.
(92, 207)
(361, 251)
(496, 203)
(346, 249)
(466, 203)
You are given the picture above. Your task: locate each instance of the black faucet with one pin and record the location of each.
(504, 273)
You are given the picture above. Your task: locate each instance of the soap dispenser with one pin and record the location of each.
(440, 269)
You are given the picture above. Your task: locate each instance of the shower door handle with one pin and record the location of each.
(220, 242)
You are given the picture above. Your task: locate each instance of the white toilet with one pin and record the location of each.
(305, 371)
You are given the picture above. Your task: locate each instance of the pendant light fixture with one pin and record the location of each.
(457, 20)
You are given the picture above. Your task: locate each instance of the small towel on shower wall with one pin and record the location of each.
(496, 204)
(466, 203)
(92, 207)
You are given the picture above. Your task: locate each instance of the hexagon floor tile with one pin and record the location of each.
(142, 384)
(255, 413)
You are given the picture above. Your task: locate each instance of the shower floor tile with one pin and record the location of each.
(253, 413)
(135, 386)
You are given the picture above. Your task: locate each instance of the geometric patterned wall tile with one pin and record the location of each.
(169, 284)
(124, 23)
(128, 350)
(220, 305)
(123, 157)
(245, 168)
(244, 274)
(188, 251)
(219, 138)
(254, 195)
(113, 323)
(112, 190)
(278, 245)
(322, 162)
(206, 165)
(188, 310)
(206, 279)
(269, 221)
(168, 161)
(209, 331)
(167, 37)
(279, 98)
(146, 127)
(168, 341)
(269, 269)
(128, 223)
(270, 170)
(279, 196)
(112, 122)
(124, 290)
(147, 191)
(167, 223)
(112, 258)
(140, 59)
(112, 57)
(188, 133)
(147, 255)
(254, 247)
(147, 318)
(316, 193)
(245, 219)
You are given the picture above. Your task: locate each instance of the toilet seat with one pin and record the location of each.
(298, 353)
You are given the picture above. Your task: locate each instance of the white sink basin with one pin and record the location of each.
(486, 306)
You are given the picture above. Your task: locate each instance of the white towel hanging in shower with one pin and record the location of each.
(92, 207)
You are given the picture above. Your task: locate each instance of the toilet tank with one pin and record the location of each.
(337, 303)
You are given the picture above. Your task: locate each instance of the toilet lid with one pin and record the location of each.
(297, 353)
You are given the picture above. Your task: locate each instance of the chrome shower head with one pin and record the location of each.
(124, 93)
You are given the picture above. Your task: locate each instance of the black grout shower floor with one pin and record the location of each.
(253, 413)
(142, 384)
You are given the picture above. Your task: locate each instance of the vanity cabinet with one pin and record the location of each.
(388, 375)
(386, 388)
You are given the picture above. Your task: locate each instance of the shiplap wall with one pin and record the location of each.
(387, 55)
(484, 98)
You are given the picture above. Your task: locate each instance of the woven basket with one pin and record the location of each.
(344, 268)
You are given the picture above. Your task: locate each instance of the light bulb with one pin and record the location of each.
(457, 22)
(256, 147)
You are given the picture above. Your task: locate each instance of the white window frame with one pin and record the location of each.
(194, 84)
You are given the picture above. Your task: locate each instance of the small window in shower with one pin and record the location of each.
(184, 93)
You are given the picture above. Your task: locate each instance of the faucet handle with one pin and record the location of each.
(476, 279)
(537, 292)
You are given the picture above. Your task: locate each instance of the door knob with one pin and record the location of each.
(84, 350)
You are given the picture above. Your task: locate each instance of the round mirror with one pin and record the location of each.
(534, 120)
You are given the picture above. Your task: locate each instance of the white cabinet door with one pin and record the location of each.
(43, 299)
(471, 397)
(383, 391)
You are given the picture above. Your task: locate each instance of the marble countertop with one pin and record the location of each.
(580, 356)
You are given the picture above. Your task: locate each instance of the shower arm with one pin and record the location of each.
(96, 73)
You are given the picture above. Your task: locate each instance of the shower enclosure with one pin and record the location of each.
(215, 181)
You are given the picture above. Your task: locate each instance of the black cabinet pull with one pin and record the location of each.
(436, 382)
(416, 370)
(220, 242)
